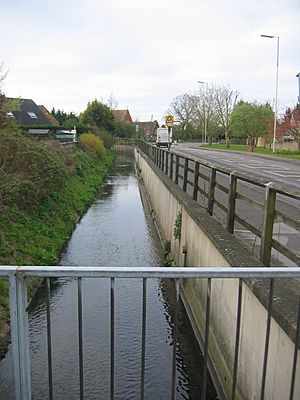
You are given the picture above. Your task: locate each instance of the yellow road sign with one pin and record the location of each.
(169, 120)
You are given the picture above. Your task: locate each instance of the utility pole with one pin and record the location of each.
(298, 76)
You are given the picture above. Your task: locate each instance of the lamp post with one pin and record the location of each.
(204, 109)
(276, 90)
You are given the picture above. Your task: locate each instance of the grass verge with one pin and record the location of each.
(259, 150)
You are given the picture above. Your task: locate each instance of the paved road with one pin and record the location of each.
(284, 171)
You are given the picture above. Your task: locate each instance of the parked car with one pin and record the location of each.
(287, 137)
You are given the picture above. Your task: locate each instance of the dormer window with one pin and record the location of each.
(32, 114)
(10, 114)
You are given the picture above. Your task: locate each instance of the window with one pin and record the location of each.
(32, 114)
(10, 114)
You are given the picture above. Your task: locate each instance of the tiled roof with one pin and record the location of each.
(122, 116)
(28, 114)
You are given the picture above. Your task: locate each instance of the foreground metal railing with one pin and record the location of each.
(224, 191)
(18, 277)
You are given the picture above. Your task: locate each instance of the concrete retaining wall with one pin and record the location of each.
(204, 242)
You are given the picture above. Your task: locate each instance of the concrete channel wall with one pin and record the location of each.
(204, 242)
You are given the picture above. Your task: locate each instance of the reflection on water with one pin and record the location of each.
(114, 232)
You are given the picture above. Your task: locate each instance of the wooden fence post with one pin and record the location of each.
(268, 224)
(176, 169)
(211, 193)
(171, 165)
(231, 202)
(185, 174)
(196, 177)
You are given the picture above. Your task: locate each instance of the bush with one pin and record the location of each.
(92, 145)
(106, 138)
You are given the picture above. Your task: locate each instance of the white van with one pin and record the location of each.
(163, 137)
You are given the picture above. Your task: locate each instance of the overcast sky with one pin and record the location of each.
(64, 53)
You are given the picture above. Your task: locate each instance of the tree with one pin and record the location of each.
(208, 110)
(125, 130)
(290, 124)
(98, 115)
(112, 102)
(250, 120)
(225, 101)
(205, 112)
(182, 107)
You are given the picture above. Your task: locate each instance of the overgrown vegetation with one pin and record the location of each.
(177, 226)
(44, 189)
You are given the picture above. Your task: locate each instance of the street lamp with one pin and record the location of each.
(276, 90)
(205, 130)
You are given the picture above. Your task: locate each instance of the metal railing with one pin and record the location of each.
(201, 178)
(19, 318)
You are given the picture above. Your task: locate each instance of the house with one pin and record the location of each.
(122, 116)
(36, 120)
(148, 128)
(30, 114)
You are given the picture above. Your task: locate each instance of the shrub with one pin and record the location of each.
(106, 138)
(92, 145)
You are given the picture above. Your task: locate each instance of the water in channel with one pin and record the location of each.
(115, 231)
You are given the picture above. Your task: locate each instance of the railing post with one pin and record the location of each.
(196, 177)
(211, 193)
(167, 163)
(176, 169)
(185, 174)
(268, 224)
(231, 202)
(171, 165)
(19, 336)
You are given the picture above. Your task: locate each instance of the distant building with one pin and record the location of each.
(30, 114)
(148, 128)
(122, 116)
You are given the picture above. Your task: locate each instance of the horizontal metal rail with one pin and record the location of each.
(149, 272)
(233, 193)
(19, 319)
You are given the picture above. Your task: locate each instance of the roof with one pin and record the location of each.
(122, 116)
(28, 114)
(49, 115)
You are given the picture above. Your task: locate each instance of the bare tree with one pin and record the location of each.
(183, 108)
(225, 101)
(205, 111)
(112, 102)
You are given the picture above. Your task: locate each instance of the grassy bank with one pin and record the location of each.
(44, 189)
(259, 150)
